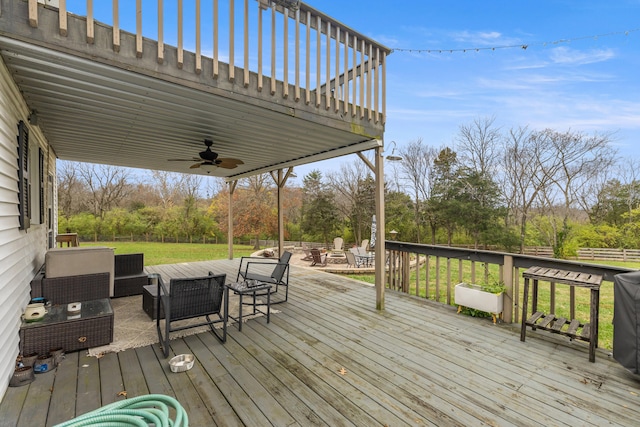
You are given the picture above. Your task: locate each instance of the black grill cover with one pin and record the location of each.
(626, 320)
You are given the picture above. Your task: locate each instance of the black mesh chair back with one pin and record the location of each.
(196, 296)
(188, 298)
(281, 267)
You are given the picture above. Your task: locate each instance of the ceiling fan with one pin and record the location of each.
(210, 158)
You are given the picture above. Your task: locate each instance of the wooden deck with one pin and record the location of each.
(417, 363)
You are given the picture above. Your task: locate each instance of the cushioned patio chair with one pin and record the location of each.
(275, 272)
(188, 298)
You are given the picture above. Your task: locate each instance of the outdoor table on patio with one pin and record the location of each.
(92, 327)
(248, 288)
(367, 258)
(550, 322)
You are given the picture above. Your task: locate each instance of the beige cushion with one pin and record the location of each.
(61, 262)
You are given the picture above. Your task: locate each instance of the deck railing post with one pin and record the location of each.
(90, 23)
(33, 13)
(62, 18)
(507, 278)
(116, 27)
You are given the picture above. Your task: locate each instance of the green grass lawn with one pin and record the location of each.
(173, 253)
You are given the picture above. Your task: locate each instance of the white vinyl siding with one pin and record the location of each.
(21, 251)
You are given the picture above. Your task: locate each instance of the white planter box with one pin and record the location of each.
(471, 296)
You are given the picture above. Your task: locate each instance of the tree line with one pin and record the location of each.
(504, 188)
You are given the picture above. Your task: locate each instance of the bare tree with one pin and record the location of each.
(352, 184)
(522, 179)
(417, 167)
(107, 185)
(169, 187)
(478, 145)
(568, 161)
(72, 195)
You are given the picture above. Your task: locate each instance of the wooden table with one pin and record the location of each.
(71, 239)
(550, 322)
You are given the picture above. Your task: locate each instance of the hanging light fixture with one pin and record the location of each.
(392, 157)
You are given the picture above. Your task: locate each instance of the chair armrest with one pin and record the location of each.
(163, 289)
(271, 263)
(246, 260)
(36, 283)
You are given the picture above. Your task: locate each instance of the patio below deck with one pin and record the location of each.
(329, 358)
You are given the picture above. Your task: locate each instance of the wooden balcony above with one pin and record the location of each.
(307, 87)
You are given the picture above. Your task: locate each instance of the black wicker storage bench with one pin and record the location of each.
(92, 327)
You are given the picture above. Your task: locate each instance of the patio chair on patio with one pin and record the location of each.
(307, 255)
(319, 259)
(188, 298)
(352, 260)
(275, 272)
(338, 244)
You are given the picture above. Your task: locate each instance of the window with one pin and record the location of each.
(23, 176)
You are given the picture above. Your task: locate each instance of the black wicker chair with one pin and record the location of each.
(129, 275)
(187, 298)
(275, 272)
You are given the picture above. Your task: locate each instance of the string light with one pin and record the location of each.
(523, 46)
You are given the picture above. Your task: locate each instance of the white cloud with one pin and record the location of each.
(483, 38)
(567, 56)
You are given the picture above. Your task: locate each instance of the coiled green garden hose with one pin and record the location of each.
(142, 411)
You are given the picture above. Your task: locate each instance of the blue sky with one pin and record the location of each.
(579, 70)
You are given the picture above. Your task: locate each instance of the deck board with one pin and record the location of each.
(295, 378)
(416, 363)
(111, 385)
(65, 385)
(132, 374)
(205, 379)
(88, 392)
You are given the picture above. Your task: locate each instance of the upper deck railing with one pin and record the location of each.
(312, 58)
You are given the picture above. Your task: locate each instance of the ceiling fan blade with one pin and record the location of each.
(195, 166)
(229, 163)
(193, 159)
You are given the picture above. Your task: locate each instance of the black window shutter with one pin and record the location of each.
(23, 175)
(41, 183)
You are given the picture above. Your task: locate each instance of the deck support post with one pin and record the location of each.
(377, 168)
(380, 253)
(280, 181)
(232, 188)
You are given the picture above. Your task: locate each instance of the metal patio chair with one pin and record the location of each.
(272, 271)
(188, 298)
